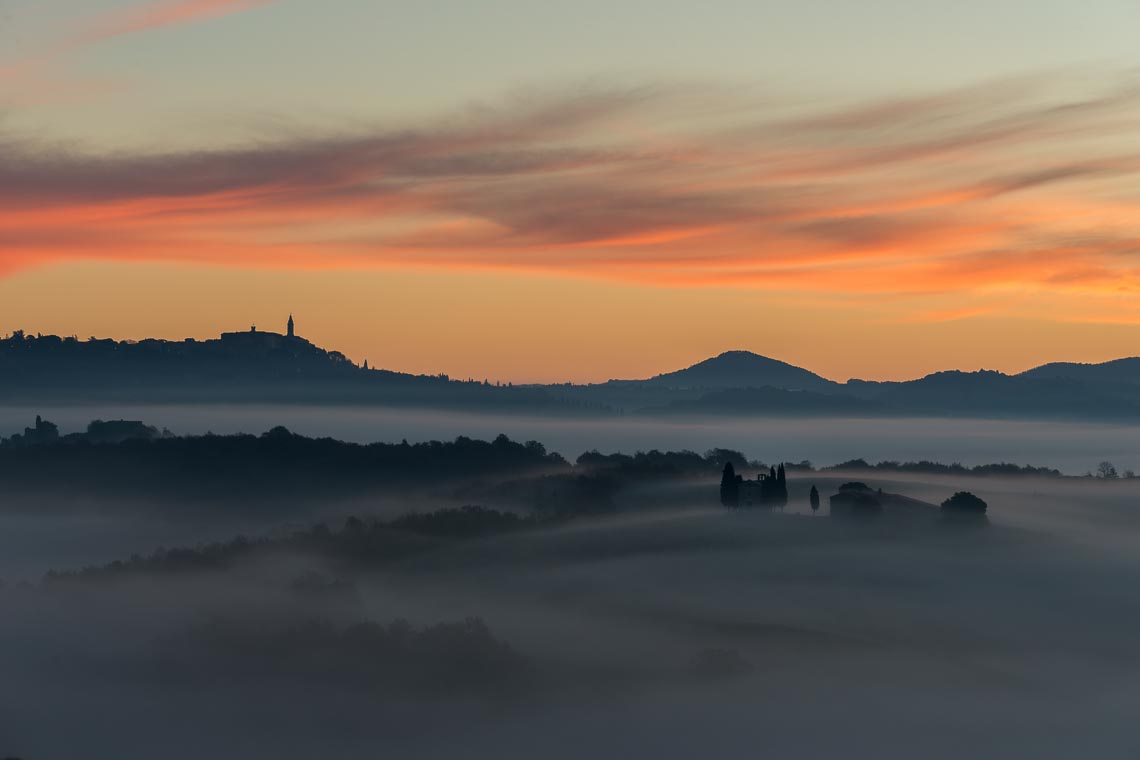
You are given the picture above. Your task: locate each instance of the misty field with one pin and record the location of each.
(670, 628)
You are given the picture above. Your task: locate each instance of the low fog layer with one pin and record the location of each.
(671, 628)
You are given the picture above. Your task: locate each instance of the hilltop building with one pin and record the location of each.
(43, 432)
(769, 489)
(264, 338)
(99, 431)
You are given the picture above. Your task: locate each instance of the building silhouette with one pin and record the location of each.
(43, 432)
(262, 339)
(769, 489)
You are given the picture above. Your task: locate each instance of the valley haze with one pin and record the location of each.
(254, 591)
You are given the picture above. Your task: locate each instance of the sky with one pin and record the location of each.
(547, 191)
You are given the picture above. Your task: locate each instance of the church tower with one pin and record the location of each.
(289, 330)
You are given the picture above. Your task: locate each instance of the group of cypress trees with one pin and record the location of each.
(773, 489)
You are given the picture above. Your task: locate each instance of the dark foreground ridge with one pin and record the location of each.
(127, 458)
(123, 458)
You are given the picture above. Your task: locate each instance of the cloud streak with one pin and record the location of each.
(31, 79)
(157, 15)
(1003, 188)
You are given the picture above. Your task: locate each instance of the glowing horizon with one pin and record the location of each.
(637, 223)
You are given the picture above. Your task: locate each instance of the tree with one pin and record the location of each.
(814, 499)
(729, 486)
(1106, 471)
(964, 502)
(354, 526)
(721, 457)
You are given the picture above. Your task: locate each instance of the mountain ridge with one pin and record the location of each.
(742, 382)
(1124, 368)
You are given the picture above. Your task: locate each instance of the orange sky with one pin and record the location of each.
(547, 328)
(592, 231)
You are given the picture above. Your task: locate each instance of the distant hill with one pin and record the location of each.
(267, 367)
(744, 369)
(989, 394)
(1116, 371)
(742, 383)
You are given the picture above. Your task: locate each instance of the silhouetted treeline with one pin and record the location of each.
(462, 522)
(595, 482)
(656, 462)
(249, 466)
(279, 468)
(131, 459)
(936, 468)
(714, 461)
(357, 542)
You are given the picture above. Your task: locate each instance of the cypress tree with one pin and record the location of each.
(814, 498)
(729, 486)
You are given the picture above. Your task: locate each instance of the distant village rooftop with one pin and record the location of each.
(262, 335)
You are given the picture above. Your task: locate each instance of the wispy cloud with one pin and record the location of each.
(1002, 188)
(142, 18)
(35, 73)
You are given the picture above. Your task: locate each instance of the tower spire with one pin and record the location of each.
(289, 331)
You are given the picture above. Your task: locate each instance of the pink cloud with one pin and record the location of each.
(31, 79)
(156, 15)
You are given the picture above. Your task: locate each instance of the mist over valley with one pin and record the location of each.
(602, 604)
(592, 380)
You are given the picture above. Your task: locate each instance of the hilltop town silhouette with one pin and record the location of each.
(241, 366)
(263, 366)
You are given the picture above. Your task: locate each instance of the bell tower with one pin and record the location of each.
(289, 329)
